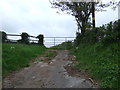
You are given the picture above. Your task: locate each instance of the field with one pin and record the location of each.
(100, 61)
(16, 56)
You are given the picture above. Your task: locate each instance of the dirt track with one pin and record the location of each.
(47, 75)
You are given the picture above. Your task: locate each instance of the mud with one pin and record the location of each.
(53, 74)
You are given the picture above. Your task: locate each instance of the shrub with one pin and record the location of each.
(41, 39)
(25, 38)
(107, 33)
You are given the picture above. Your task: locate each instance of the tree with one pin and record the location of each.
(80, 10)
(93, 14)
(112, 3)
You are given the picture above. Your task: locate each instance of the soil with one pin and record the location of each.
(55, 72)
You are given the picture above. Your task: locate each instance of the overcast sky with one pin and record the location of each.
(37, 17)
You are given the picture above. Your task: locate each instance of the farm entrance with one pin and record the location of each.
(55, 41)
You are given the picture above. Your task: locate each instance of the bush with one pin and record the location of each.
(78, 38)
(91, 36)
(101, 62)
(106, 34)
(41, 39)
(25, 39)
(112, 33)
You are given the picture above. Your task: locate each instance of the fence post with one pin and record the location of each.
(4, 37)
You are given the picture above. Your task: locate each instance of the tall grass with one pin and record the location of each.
(101, 61)
(15, 56)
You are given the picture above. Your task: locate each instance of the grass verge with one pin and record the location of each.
(16, 56)
(101, 61)
(0, 63)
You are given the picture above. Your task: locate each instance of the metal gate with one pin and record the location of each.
(53, 41)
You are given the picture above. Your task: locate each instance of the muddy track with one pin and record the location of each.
(47, 75)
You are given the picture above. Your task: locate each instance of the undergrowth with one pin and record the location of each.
(101, 61)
